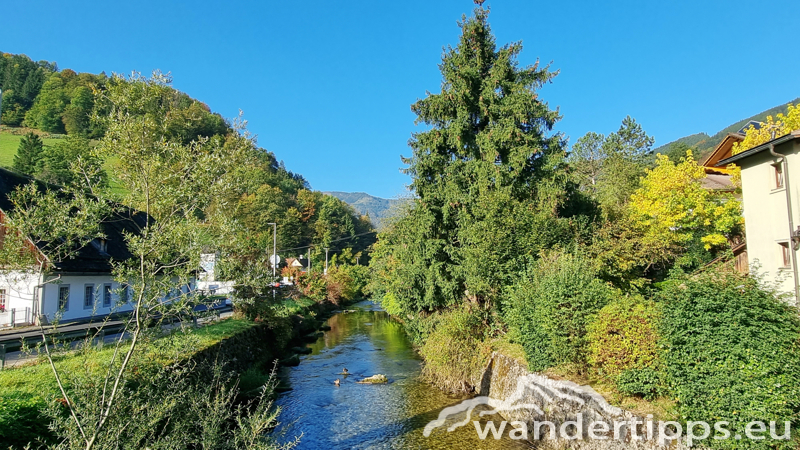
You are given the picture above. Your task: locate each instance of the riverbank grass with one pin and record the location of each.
(37, 379)
(25, 390)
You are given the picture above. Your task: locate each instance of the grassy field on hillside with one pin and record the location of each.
(9, 144)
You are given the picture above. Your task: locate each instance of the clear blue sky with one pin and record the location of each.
(327, 85)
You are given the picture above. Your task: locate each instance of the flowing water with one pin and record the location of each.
(363, 416)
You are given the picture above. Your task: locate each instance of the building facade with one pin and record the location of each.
(771, 204)
(80, 287)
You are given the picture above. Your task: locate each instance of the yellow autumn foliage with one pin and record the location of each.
(780, 125)
(671, 208)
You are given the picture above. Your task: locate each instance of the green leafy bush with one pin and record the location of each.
(624, 336)
(339, 285)
(312, 285)
(731, 354)
(346, 282)
(360, 277)
(23, 421)
(642, 382)
(454, 350)
(549, 309)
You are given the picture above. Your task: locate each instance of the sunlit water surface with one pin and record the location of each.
(362, 416)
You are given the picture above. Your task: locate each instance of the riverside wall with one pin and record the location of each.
(519, 395)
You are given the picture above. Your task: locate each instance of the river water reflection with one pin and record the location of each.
(360, 416)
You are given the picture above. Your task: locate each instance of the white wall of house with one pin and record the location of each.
(85, 296)
(766, 217)
(216, 287)
(207, 279)
(18, 293)
(92, 295)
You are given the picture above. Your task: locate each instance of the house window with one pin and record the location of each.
(88, 296)
(778, 169)
(2, 300)
(107, 294)
(125, 296)
(63, 298)
(786, 256)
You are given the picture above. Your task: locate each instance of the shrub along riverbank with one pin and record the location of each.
(708, 346)
(593, 259)
(234, 355)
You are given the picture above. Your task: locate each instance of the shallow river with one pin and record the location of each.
(362, 416)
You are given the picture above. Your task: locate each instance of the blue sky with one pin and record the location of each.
(327, 85)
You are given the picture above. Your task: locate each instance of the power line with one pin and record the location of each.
(335, 240)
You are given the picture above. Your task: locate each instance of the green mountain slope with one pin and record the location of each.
(704, 144)
(378, 209)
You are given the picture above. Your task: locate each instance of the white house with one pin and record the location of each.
(771, 203)
(80, 287)
(207, 279)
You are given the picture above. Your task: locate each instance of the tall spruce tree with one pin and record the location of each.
(487, 175)
(29, 154)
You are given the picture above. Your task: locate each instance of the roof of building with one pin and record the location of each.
(717, 182)
(297, 262)
(722, 151)
(753, 123)
(760, 148)
(89, 258)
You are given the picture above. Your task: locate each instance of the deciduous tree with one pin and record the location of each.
(608, 168)
(670, 219)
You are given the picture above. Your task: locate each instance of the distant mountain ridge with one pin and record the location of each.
(376, 208)
(704, 144)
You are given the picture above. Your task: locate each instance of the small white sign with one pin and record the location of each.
(274, 260)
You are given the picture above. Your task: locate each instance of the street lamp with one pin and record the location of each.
(274, 246)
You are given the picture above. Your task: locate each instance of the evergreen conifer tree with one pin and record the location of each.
(29, 154)
(488, 175)
(488, 123)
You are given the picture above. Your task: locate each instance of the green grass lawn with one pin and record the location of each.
(9, 144)
(37, 379)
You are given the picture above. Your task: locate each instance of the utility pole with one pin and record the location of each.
(274, 246)
(309, 259)
(326, 260)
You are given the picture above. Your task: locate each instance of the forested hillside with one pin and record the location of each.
(39, 95)
(52, 118)
(704, 144)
